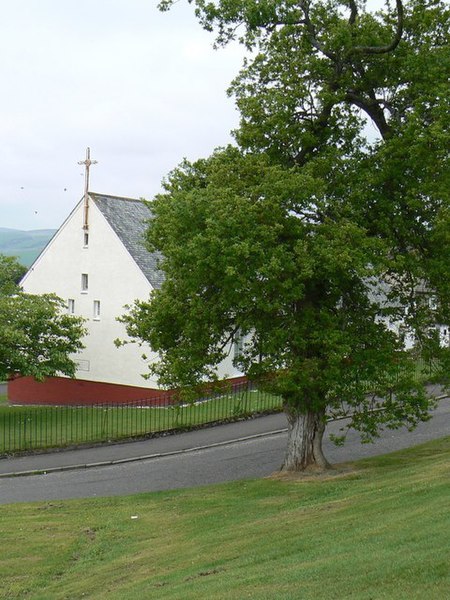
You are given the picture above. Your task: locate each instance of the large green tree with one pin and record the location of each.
(37, 336)
(322, 240)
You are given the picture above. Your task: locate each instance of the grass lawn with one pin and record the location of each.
(378, 530)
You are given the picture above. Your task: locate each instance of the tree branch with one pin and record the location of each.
(372, 108)
(304, 5)
(396, 40)
(316, 129)
(353, 12)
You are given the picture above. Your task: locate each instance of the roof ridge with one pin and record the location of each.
(117, 197)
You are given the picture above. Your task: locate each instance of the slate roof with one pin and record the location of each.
(128, 218)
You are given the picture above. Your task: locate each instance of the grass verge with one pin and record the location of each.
(376, 530)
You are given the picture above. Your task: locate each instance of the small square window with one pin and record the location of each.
(71, 306)
(84, 282)
(97, 309)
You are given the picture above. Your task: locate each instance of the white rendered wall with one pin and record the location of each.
(115, 280)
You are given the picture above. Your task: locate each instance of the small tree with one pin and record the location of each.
(320, 243)
(37, 337)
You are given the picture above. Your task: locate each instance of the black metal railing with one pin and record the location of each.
(28, 428)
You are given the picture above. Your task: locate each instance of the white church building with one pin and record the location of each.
(97, 263)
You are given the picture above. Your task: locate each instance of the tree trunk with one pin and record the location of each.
(304, 447)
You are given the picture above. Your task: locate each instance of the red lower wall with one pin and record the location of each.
(63, 391)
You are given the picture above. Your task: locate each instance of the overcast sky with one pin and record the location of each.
(142, 88)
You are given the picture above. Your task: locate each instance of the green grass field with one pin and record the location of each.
(378, 529)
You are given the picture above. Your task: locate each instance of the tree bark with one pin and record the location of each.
(305, 434)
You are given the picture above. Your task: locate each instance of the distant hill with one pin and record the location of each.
(26, 245)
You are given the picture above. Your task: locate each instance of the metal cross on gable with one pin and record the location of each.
(87, 163)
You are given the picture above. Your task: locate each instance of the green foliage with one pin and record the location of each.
(11, 272)
(321, 243)
(243, 255)
(37, 337)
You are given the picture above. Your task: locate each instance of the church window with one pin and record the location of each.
(238, 345)
(97, 310)
(71, 306)
(84, 282)
(85, 239)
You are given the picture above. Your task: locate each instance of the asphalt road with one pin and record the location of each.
(256, 457)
